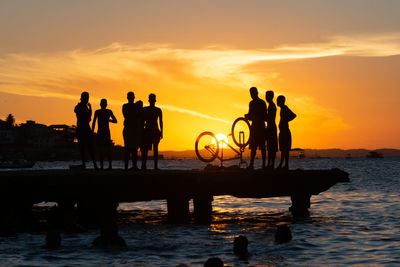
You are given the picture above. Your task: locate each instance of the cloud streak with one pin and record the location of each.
(64, 74)
(113, 61)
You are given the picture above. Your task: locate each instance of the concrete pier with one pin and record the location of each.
(95, 191)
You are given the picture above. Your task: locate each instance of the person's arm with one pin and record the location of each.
(124, 112)
(265, 112)
(90, 109)
(113, 119)
(248, 116)
(94, 121)
(161, 123)
(291, 115)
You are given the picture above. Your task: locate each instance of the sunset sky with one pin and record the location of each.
(337, 63)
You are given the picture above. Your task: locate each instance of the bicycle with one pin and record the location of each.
(208, 147)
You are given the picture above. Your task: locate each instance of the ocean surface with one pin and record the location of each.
(356, 223)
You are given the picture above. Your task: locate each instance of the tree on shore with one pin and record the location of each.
(10, 120)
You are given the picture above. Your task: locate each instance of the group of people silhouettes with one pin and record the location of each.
(143, 128)
(259, 135)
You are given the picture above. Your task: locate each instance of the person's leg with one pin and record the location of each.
(155, 150)
(271, 158)
(109, 155)
(134, 158)
(101, 156)
(127, 155)
(282, 159)
(252, 157)
(82, 147)
(263, 155)
(144, 158)
(286, 160)
(91, 151)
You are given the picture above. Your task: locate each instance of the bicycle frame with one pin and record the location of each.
(214, 146)
(239, 153)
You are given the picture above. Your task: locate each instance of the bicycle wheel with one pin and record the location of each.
(207, 146)
(241, 132)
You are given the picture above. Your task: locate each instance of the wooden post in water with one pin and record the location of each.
(203, 208)
(178, 209)
(90, 212)
(300, 204)
(66, 211)
(108, 226)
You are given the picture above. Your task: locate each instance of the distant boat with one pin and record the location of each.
(375, 154)
(348, 156)
(16, 164)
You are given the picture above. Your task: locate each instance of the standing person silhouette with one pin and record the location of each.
(257, 115)
(285, 137)
(152, 133)
(84, 134)
(271, 132)
(132, 129)
(104, 116)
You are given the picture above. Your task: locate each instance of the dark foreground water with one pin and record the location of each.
(354, 223)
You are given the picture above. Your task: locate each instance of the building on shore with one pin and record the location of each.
(35, 141)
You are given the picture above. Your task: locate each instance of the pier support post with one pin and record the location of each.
(90, 213)
(178, 209)
(203, 209)
(67, 211)
(109, 237)
(300, 204)
(16, 215)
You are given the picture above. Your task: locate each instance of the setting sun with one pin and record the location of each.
(222, 140)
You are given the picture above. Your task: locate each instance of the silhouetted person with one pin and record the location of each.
(152, 134)
(240, 244)
(257, 115)
(84, 134)
(283, 234)
(104, 117)
(285, 137)
(214, 262)
(271, 132)
(133, 127)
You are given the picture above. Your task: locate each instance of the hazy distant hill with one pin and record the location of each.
(309, 153)
(349, 152)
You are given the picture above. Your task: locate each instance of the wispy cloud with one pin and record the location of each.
(193, 113)
(65, 74)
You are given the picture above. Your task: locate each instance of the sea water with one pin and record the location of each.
(354, 223)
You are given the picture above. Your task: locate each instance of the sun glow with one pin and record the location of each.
(222, 140)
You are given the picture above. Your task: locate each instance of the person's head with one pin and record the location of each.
(280, 101)
(269, 95)
(283, 234)
(254, 92)
(130, 96)
(240, 245)
(103, 103)
(214, 262)
(140, 103)
(85, 97)
(152, 99)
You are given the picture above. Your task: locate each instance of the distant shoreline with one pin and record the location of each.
(308, 153)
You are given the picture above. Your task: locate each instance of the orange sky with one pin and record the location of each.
(335, 62)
